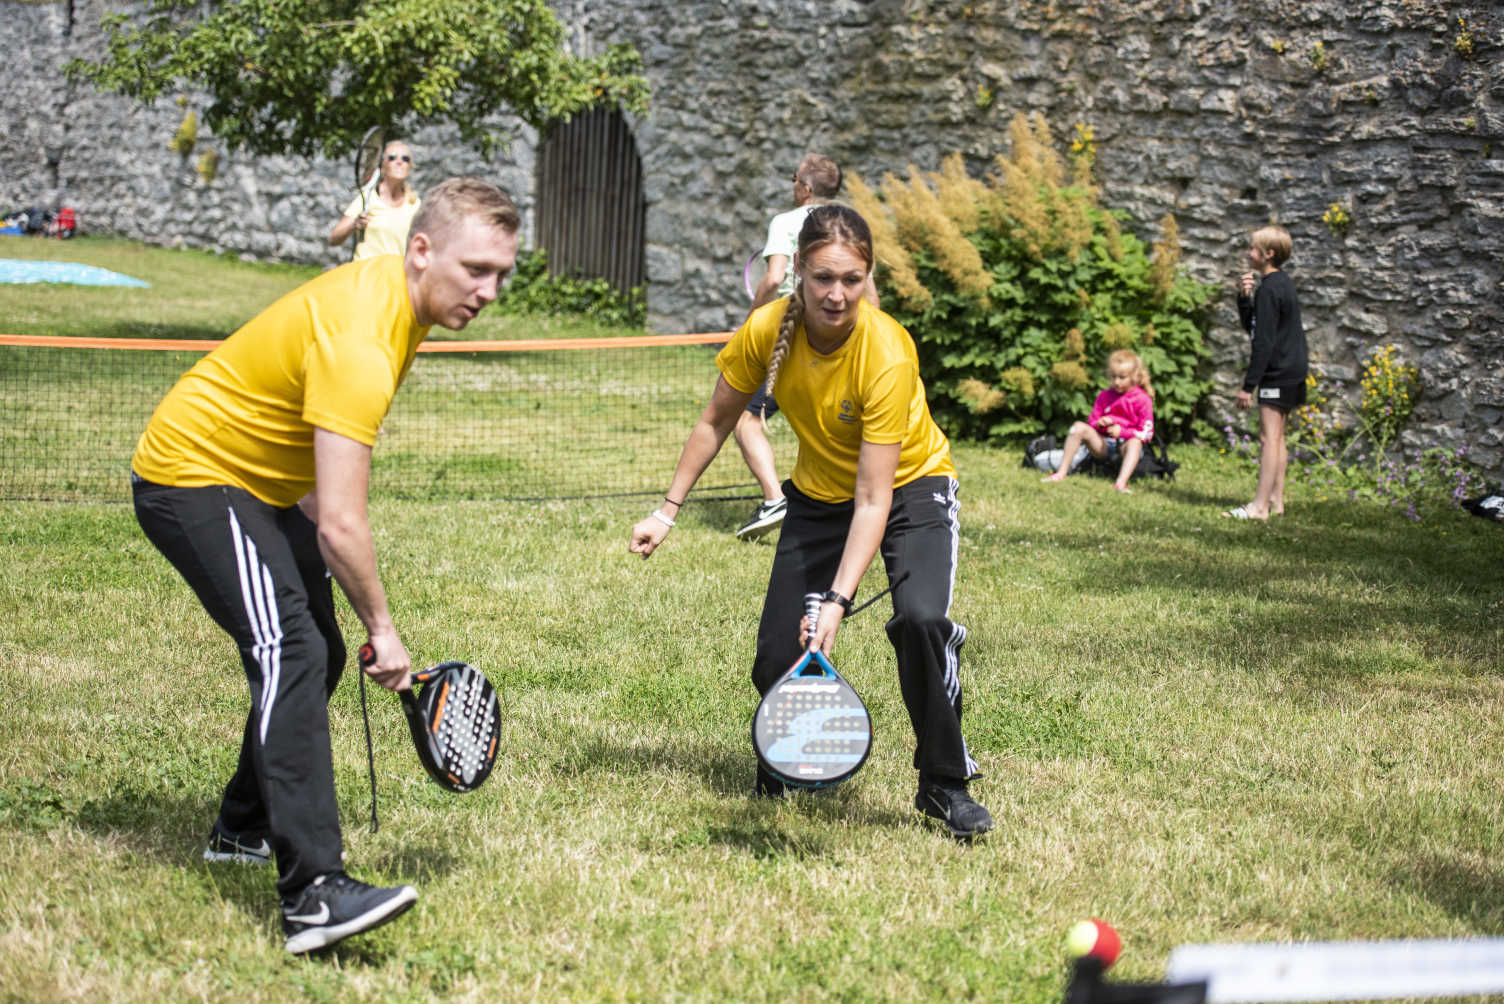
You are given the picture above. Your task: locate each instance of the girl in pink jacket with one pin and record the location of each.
(1121, 421)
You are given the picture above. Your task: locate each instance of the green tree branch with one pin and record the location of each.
(310, 77)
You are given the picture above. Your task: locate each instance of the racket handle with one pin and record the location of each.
(812, 611)
(367, 657)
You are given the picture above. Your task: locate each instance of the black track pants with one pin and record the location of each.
(921, 538)
(258, 572)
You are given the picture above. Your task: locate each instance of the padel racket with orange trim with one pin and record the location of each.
(811, 729)
(455, 719)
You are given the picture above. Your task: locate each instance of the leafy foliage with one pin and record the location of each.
(1018, 287)
(1391, 387)
(1337, 219)
(311, 77)
(186, 138)
(1418, 483)
(1356, 459)
(532, 290)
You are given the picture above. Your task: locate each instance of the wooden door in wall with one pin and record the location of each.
(590, 202)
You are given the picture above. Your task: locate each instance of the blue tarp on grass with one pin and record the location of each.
(22, 270)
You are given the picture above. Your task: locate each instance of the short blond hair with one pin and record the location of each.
(821, 174)
(454, 199)
(1275, 239)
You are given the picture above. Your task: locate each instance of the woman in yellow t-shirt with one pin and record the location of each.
(873, 473)
(382, 216)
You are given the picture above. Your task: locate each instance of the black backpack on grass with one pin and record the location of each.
(1489, 505)
(1153, 462)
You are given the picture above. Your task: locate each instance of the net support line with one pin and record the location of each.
(442, 345)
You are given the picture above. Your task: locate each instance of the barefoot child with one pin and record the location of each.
(1121, 421)
(1277, 366)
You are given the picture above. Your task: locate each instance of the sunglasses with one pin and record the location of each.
(405, 158)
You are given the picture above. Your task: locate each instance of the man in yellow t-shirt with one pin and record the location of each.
(251, 479)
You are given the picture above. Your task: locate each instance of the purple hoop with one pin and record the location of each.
(747, 275)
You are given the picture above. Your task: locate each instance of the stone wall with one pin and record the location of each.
(109, 158)
(1227, 114)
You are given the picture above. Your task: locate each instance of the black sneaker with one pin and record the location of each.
(767, 786)
(949, 802)
(767, 516)
(241, 848)
(332, 907)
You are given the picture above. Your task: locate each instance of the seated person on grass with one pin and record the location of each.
(1121, 421)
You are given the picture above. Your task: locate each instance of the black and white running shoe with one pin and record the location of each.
(949, 802)
(767, 516)
(334, 906)
(241, 848)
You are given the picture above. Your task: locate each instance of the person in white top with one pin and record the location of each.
(816, 182)
(381, 217)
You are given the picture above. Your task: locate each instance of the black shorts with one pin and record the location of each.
(1283, 398)
(755, 405)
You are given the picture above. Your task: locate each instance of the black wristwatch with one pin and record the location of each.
(831, 596)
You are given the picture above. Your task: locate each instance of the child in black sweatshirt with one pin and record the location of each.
(1277, 366)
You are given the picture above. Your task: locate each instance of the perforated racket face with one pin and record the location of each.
(460, 723)
(368, 156)
(812, 729)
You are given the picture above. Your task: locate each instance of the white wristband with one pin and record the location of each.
(658, 515)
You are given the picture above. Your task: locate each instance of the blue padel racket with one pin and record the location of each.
(811, 729)
(455, 718)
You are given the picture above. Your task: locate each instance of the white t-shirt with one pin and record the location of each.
(783, 238)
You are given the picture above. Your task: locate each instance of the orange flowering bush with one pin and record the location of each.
(1017, 286)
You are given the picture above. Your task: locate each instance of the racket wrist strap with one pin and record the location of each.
(831, 596)
(658, 515)
(370, 749)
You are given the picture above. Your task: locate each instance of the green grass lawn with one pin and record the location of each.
(1197, 729)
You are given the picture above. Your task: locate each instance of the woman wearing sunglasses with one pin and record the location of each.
(381, 216)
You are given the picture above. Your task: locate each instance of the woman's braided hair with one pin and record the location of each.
(828, 224)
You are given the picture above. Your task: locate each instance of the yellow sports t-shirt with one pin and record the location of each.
(329, 354)
(868, 389)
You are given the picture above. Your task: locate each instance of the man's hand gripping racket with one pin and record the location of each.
(455, 719)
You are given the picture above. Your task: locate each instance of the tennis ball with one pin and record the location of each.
(1095, 938)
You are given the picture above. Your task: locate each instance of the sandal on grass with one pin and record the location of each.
(1241, 512)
